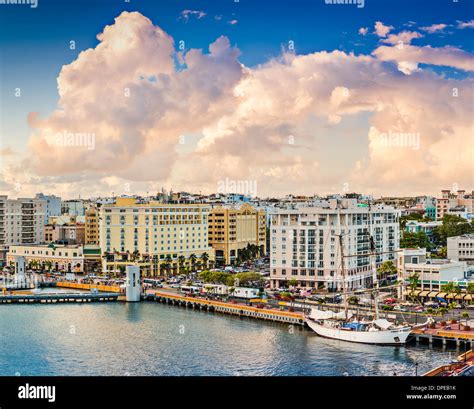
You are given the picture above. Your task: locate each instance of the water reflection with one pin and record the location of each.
(155, 339)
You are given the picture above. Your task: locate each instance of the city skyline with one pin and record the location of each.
(191, 94)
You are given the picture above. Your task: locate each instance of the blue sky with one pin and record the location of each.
(34, 43)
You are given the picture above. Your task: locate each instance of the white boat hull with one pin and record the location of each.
(383, 337)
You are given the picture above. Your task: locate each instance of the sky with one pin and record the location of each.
(264, 97)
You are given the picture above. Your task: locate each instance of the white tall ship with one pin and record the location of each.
(343, 326)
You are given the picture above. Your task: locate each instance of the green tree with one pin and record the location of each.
(353, 300)
(204, 258)
(135, 255)
(413, 283)
(192, 259)
(293, 282)
(181, 261)
(250, 279)
(448, 288)
(414, 240)
(169, 264)
(452, 225)
(465, 315)
(387, 268)
(414, 216)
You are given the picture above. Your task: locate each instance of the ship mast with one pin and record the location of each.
(373, 263)
(343, 271)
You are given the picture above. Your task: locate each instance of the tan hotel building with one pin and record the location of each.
(154, 232)
(232, 229)
(92, 226)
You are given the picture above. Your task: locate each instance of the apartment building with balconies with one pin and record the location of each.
(304, 244)
(21, 221)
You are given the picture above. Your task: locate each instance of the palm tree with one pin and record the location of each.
(163, 268)
(470, 290)
(154, 261)
(48, 264)
(457, 290)
(204, 258)
(169, 264)
(192, 259)
(181, 261)
(386, 268)
(135, 255)
(413, 282)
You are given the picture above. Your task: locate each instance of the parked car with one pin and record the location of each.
(400, 308)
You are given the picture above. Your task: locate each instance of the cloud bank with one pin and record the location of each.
(159, 117)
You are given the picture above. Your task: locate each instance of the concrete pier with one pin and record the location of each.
(57, 298)
(229, 308)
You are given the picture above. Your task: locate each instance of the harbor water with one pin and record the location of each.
(129, 339)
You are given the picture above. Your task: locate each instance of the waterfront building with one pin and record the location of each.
(433, 273)
(461, 248)
(52, 205)
(232, 229)
(414, 226)
(304, 244)
(457, 202)
(21, 221)
(163, 238)
(49, 257)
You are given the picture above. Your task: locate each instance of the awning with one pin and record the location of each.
(423, 293)
(433, 294)
(412, 294)
(460, 296)
(441, 295)
(468, 297)
(383, 323)
(450, 296)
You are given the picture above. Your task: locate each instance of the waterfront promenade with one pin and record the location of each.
(269, 314)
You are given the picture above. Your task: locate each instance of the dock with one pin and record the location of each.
(445, 337)
(57, 298)
(240, 310)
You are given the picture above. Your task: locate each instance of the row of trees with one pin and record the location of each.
(248, 279)
(251, 252)
(168, 266)
(452, 225)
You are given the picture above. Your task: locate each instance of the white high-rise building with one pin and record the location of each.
(304, 243)
(21, 221)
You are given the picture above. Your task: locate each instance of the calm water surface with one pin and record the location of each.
(156, 339)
